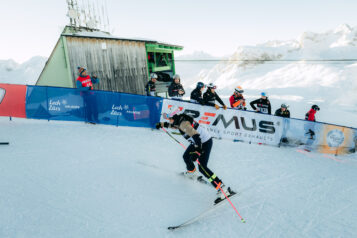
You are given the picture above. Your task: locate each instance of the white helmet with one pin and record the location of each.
(153, 76)
(211, 85)
(176, 76)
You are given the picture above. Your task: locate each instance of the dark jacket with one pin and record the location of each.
(263, 105)
(197, 96)
(174, 89)
(281, 113)
(210, 98)
(150, 88)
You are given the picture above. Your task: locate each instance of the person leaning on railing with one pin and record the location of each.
(210, 97)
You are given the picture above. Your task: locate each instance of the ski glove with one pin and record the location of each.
(224, 107)
(216, 106)
(161, 125)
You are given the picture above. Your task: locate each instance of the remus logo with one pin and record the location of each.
(2, 94)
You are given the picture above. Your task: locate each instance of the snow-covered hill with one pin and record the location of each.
(315, 68)
(70, 179)
(25, 73)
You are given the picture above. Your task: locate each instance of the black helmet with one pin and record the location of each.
(200, 85)
(315, 107)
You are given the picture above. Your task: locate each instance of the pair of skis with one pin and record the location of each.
(4, 143)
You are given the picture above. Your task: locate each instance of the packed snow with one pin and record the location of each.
(70, 179)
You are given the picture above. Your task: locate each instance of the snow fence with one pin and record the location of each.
(121, 109)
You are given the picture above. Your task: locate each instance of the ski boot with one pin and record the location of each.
(191, 174)
(220, 196)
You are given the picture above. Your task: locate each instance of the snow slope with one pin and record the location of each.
(67, 179)
(25, 73)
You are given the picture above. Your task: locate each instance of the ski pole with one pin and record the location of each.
(183, 146)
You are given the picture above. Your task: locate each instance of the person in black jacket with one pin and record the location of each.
(176, 90)
(283, 111)
(210, 97)
(196, 94)
(150, 87)
(263, 104)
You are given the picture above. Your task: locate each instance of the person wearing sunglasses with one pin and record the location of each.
(210, 97)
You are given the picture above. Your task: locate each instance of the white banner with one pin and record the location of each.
(231, 123)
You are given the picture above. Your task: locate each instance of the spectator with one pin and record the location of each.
(150, 87)
(283, 111)
(310, 115)
(263, 104)
(85, 85)
(210, 97)
(84, 81)
(237, 100)
(310, 127)
(176, 90)
(196, 94)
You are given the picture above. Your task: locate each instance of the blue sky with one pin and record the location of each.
(31, 28)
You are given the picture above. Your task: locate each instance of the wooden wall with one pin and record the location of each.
(121, 67)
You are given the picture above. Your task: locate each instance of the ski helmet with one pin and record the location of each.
(200, 85)
(264, 94)
(153, 76)
(176, 76)
(284, 106)
(239, 89)
(211, 86)
(315, 107)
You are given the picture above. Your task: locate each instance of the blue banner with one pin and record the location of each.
(101, 107)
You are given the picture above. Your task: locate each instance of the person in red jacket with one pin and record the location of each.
(84, 81)
(310, 115)
(85, 85)
(310, 127)
(237, 100)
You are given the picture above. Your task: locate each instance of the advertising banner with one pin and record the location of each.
(101, 107)
(12, 100)
(252, 127)
(232, 124)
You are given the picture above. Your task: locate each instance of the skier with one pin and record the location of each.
(210, 97)
(200, 149)
(176, 90)
(263, 104)
(237, 100)
(196, 94)
(284, 112)
(150, 87)
(85, 85)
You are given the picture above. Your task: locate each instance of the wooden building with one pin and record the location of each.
(123, 65)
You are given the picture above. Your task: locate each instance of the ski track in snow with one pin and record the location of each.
(68, 179)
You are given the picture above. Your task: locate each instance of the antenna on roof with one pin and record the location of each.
(91, 14)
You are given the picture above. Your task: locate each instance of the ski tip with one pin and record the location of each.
(172, 227)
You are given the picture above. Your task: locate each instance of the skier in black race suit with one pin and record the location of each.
(199, 149)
